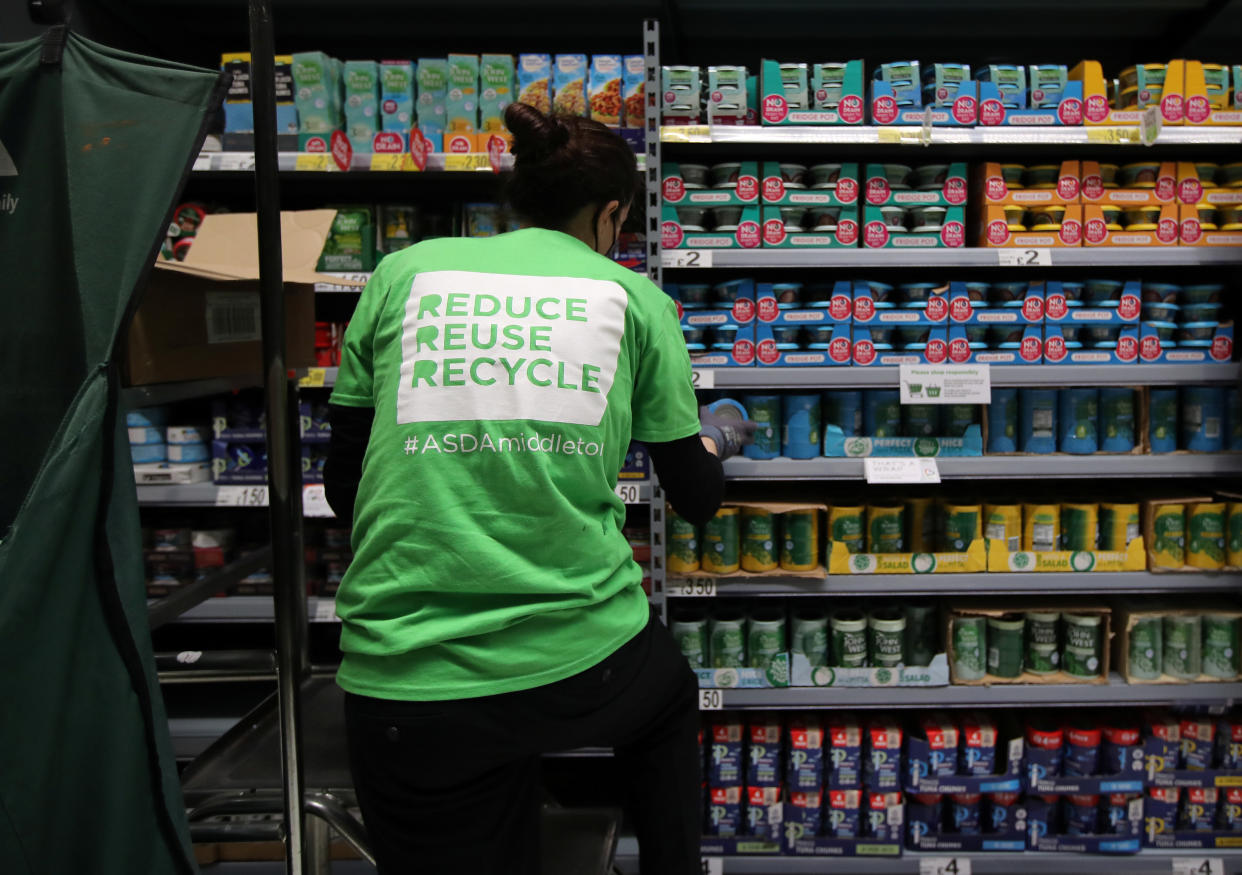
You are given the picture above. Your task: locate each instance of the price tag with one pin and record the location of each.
(1199, 866)
(237, 161)
(314, 502)
(363, 278)
(325, 611)
(711, 700)
(945, 384)
(686, 258)
(1024, 257)
(1106, 135)
(901, 470)
(241, 496)
(469, 161)
(202, 162)
(314, 378)
(1150, 126)
(888, 135)
(703, 378)
(313, 161)
(630, 493)
(389, 161)
(693, 587)
(711, 866)
(944, 866)
(686, 134)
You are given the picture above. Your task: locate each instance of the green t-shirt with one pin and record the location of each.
(508, 376)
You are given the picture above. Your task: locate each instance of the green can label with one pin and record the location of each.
(1235, 534)
(691, 638)
(1082, 663)
(1206, 535)
(969, 647)
(1146, 650)
(920, 638)
(886, 528)
(1182, 647)
(720, 543)
(759, 552)
(1043, 659)
(766, 639)
(961, 526)
(849, 644)
(1169, 526)
(1040, 631)
(810, 638)
(1005, 648)
(728, 644)
(847, 527)
(1084, 636)
(1220, 646)
(799, 547)
(679, 527)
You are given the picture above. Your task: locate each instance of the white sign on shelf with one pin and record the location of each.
(630, 493)
(685, 258)
(1024, 257)
(314, 502)
(241, 496)
(711, 700)
(901, 470)
(202, 162)
(1199, 866)
(946, 384)
(237, 161)
(343, 287)
(703, 378)
(325, 611)
(711, 865)
(693, 587)
(944, 866)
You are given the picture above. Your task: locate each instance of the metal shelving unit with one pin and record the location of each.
(1001, 375)
(1103, 256)
(875, 135)
(133, 397)
(318, 162)
(1056, 465)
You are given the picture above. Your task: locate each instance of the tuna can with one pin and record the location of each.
(1077, 417)
(844, 813)
(1080, 662)
(849, 639)
(1082, 631)
(765, 410)
(1205, 542)
(810, 637)
(1162, 420)
(759, 539)
(720, 542)
(1232, 805)
(964, 811)
(683, 545)
(1037, 420)
(882, 413)
(1080, 527)
(1003, 421)
(1233, 546)
(920, 420)
(1160, 810)
(1003, 523)
(1203, 409)
(690, 632)
(957, 418)
(728, 640)
(1041, 527)
(845, 524)
(1120, 745)
(886, 638)
(800, 430)
(765, 638)
(1005, 645)
(1000, 812)
(1168, 535)
(1082, 815)
(920, 525)
(800, 547)
(1198, 747)
(924, 816)
(885, 528)
(844, 409)
(1082, 749)
(1042, 735)
(1146, 653)
(1115, 819)
(1220, 646)
(970, 645)
(963, 524)
(1183, 646)
(1119, 525)
(1043, 627)
(1201, 806)
(920, 639)
(1116, 420)
(1043, 659)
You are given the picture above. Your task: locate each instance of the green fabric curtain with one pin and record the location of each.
(96, 147)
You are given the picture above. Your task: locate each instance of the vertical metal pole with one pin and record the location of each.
(284, 462)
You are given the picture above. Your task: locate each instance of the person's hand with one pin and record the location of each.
(728, 433)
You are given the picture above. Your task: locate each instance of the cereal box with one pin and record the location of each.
(461, 107)
(605, 89)
(534, 80)
(495, 91)
(633, 78)
(432, 93)
(569, 80)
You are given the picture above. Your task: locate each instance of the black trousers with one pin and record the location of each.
(453, 786)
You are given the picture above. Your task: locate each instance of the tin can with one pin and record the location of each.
(957, 418)
(1005, 645)
(1232, 814)
(1080, 526)
(882, 413)
(1041, 527)
(1000, 812)
(1146, 652)
(1120, 746)
(964, 813)
(1003, 421)
(1220, 645)
(1083, 740)
(1162, 420)
(810, 637)
(759, 539)
(800, 546)
(1082, 631)
(849, 639)
(1160, 810)
(970, 646)
(1082, 815)
(690, 632)
(1119, 525)
(765, 638)
(920, 641)
(844, 409)
(1080, 662)
(844, 813)
(728, 640)
(1115, 818)
(1043, 659)
(1043, 627)
(720, 542)
(845, 524)
(920, 525)
(1205, 542)
(800, 435)
(1077, 417)
(920, 420)
(886, 638)
(1037, 421)
(885, 528)
(1233, 546)
(1201, 806)
(765, 410)
(1168, 535)
(963, 524)
(1183, 653)
(1003, 523)
(1202, 414)
(924, 816)
(1116, 420)
(683, 545)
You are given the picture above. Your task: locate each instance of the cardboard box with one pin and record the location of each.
(604, 90)
(1057, 350)
(727, 100)
(495, 91)
(1173, 179)
(1191, 233)
(1153, 351)
(681, 95)
(1199, 109)
(432, 75)
(164, 474)
(775, 109)
(995, 233)
(1097, 233)
(1097, 110)
(633, 81)
(747, 236)
(1127, 311)
(1133, 558)
(960, 109)
(238, 111)
(674, 189)
(461, 106)
(876, 234)
(842, 561)
(776, 193)
(742, 352)
(1128, 616)
(877, 193)
(396, 94)
(317, 83)
(569, 85)
(845, 236)
(830, 353)
(992, 110)
(989, 182)
(802, 674)
(199, 318)
(1028, 677)
(534, 81)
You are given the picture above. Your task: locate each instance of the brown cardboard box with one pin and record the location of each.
(1129, 615)
(200, 318)
(1028, 677)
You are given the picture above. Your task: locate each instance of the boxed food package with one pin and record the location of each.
(432, 76)
(1099, 109)
(1213, 94)
(633, 81)
(997, 230)
(681, 95)
(461, 105)
(534, 81)
(726, 95)
(605, 90)
(396, 96)
(362, 110)
(351, 242)
(796, 93)
(317, 92)
(238, 110)
(569, 85)
(495, 91)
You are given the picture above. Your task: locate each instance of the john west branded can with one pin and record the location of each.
(759, 550)
(1119, 525)
(800, 547)
(845, 524)
(1205, 541)
(1220, 645)
(690, 632)
(970, 644)
(720, 542)
(683, 545)
(728, 640)
(1146, 653)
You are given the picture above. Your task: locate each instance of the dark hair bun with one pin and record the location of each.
(535, 135)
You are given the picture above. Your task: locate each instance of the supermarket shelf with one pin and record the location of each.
(252, 609)
(873, 135)
(983, 584)
(1001, 375)
(1104, 256)
(1002, 467)
(133, 397)
(300, 162)
(1115, 692)
(185, 598)
(314, 503)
